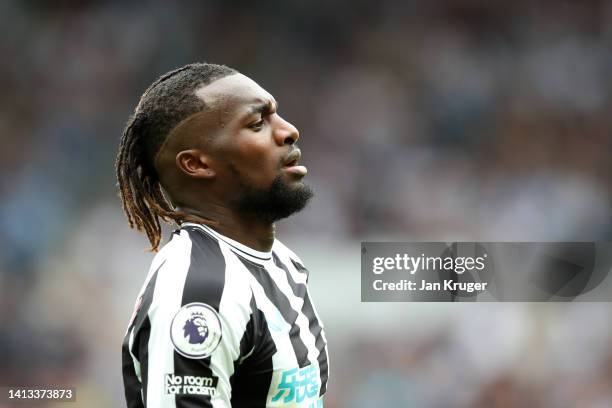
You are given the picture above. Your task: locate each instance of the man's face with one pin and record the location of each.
(255, 158)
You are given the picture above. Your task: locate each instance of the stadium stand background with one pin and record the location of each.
(446, 120)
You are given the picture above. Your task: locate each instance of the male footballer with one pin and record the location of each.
(224, 318)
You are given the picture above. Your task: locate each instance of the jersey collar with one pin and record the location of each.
(241, 249)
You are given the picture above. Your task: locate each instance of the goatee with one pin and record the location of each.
(278, 202)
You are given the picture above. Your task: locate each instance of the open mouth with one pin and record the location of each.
(291, 163)
(293, 158)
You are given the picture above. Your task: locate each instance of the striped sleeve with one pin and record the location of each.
(137, 334)
(297, 277)
(187, 349)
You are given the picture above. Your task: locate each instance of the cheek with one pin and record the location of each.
(257, 158)
(255, 161)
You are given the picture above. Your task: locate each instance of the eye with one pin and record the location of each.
(257, 125)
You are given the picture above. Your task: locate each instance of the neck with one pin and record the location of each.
(248, 231)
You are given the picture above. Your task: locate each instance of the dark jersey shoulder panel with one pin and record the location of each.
(206, 275)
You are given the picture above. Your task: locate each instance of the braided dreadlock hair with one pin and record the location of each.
(166, 103)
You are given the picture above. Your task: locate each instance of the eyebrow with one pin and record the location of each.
(265, 107)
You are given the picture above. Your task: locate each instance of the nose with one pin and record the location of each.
(286, 133)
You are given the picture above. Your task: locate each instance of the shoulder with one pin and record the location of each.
(283, 256)
(193, 267)
(284, 252)
(195, 273)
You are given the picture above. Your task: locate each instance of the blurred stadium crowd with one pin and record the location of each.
(445, 120)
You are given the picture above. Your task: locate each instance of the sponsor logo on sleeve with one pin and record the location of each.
(190, 385)
(298, 385)
(196, 330)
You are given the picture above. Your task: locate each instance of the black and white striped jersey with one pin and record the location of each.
(218, 324)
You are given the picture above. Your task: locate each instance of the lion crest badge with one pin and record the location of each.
(196, 330)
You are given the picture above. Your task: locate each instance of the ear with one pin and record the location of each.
(195, 163)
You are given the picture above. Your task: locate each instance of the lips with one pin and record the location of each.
(293, 158)
(291, 163)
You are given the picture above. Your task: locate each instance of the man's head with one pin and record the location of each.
(205, 136)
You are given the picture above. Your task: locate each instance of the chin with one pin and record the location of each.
(281, 199)
(297, 184)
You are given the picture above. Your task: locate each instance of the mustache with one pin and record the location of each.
(294, 155)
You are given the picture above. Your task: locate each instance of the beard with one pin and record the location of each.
(275, 203)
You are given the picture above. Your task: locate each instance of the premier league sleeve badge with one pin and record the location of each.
(196, 330)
